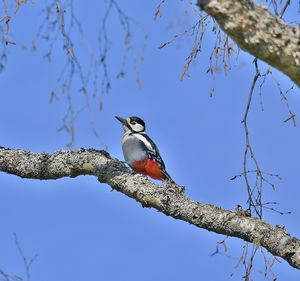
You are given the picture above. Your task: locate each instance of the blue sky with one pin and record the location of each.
(82, 231)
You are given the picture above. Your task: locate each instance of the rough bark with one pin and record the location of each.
(168, 198)
(258, 32)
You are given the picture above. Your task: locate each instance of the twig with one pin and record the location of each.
(287, 3)
(248, 148)
(27, 263)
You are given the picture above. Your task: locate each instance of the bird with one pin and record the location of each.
(140, 152)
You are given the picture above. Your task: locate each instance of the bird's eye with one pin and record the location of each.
(133, 122)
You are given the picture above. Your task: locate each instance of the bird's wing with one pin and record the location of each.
(151, 149)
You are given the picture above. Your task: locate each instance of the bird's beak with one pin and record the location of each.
(122, 120)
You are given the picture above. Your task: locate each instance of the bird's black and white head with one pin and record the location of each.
(132, 124)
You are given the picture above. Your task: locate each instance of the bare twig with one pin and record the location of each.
(27, 263)
(287, 3)
(284, 97)
(53, 28)
(158, 12)
(248, 149)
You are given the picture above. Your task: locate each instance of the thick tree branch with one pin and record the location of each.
(167, 198)
(258, 32)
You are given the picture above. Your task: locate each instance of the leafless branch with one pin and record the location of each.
(27, 263)
(284, 97)
(168, 198)
(95, 80)
(4, 276)
(253, 201)
(255, 178)
(221, 51)
(287, 3)
(272, 40)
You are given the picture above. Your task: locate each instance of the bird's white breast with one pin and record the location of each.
(133, 148)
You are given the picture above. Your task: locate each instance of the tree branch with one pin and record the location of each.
(167, 198)
(258, 32)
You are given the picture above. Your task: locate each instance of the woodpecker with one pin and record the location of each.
(140, 152)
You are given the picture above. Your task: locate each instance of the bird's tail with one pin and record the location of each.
(168, 177)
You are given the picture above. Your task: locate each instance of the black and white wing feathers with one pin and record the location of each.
(152, 152)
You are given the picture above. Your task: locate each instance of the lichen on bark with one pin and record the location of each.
(258, 32)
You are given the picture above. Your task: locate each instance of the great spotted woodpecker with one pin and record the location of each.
(140, 152)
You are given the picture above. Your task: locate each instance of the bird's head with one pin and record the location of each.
(132, 124)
